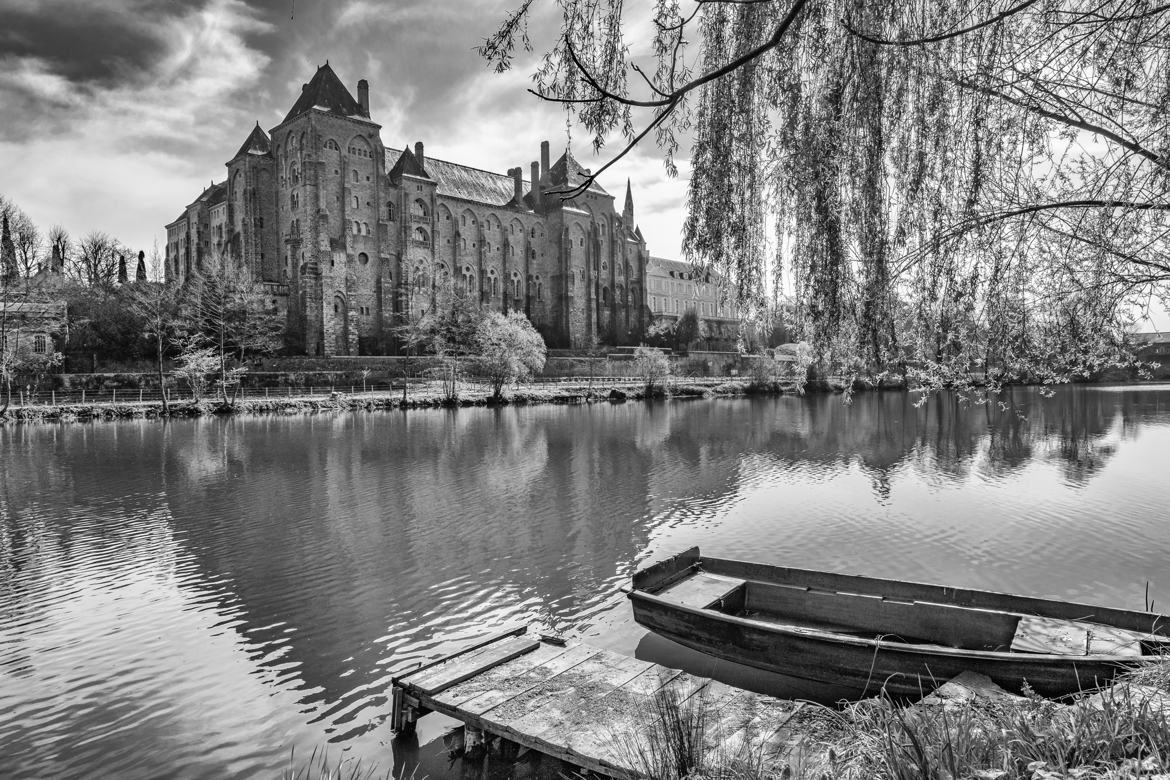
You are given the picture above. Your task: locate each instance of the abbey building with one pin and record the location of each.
(349, 237)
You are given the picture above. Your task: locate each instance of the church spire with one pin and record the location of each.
(628, 211)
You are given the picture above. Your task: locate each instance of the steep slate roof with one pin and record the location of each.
(460, 181)
(680, 269)
(256, 143)
(567, 172)
(325, 91)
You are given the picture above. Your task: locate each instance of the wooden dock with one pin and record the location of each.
(581, 704)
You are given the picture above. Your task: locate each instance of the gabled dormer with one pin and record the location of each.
(408, 164)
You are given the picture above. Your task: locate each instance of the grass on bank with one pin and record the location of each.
(1114, 733)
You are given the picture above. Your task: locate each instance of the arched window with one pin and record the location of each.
(463, 241)
(493, 282)
(356, 203)
(517, 285)
(634, 294)
(294, 174)
(357, 228)
(418, 208)
(366, 228)
(605, 296)
(390, 212)
(354, 173)
(421, 280)
(363, 258)
(421, 237)
(463, 220)
(539, 288)
(468, 279)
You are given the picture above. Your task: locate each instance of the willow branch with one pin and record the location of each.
(942, 36)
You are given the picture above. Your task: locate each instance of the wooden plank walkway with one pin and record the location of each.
(580, 704)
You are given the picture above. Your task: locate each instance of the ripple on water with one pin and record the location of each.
(199, 598)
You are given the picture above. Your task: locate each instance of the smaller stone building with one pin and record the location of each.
(34, 327)
(673, 288)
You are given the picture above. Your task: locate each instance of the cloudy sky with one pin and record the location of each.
(116, 113)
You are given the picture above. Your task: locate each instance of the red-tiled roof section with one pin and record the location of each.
(325, 91)
(460, 181)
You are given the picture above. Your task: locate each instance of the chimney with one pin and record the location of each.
(517, 185)
(543, 159)
(364, 97)
(418, 153)
(536, 185)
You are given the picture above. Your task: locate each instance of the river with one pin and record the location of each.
(197, 598)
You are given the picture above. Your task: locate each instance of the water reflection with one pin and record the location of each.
(197, 598)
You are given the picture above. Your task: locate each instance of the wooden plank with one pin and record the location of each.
(529, 680)
(620, 717)
(560, 699)
(1107, 640)
(700, 590)
(1050, 636)
(760, 731)
(476, 645)
(509, 676)
(455, 671)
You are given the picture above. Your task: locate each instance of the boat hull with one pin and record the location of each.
(863, 667)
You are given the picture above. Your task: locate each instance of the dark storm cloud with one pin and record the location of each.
(87, 44)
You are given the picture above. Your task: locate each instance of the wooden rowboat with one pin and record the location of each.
(865, 633)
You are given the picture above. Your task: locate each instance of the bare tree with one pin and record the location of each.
(59, 247)
(29, 245)
(96, 262)
(26, 238)
(159, 305)
(226, 308)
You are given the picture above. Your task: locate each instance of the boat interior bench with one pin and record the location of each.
(912, 621)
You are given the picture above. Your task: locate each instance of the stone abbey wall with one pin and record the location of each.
(364, 236)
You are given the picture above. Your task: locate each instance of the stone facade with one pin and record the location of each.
(350, 236)
(673, 287)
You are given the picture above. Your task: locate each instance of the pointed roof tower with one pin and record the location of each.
(257, 143)
(326, 92)
(567, 173)
(628, 211)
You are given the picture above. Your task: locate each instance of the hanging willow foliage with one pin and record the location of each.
(955, 184)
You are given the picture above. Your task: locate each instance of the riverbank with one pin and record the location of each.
(967, 728)
(429, 396)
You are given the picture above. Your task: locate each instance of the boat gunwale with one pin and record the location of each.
(904, 647)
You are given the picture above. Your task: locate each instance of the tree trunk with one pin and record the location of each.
(162, 381)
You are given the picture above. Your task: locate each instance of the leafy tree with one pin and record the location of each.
(973, 183)
(652, 366)
(688, 330)
(103, 324)
(508, 349)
